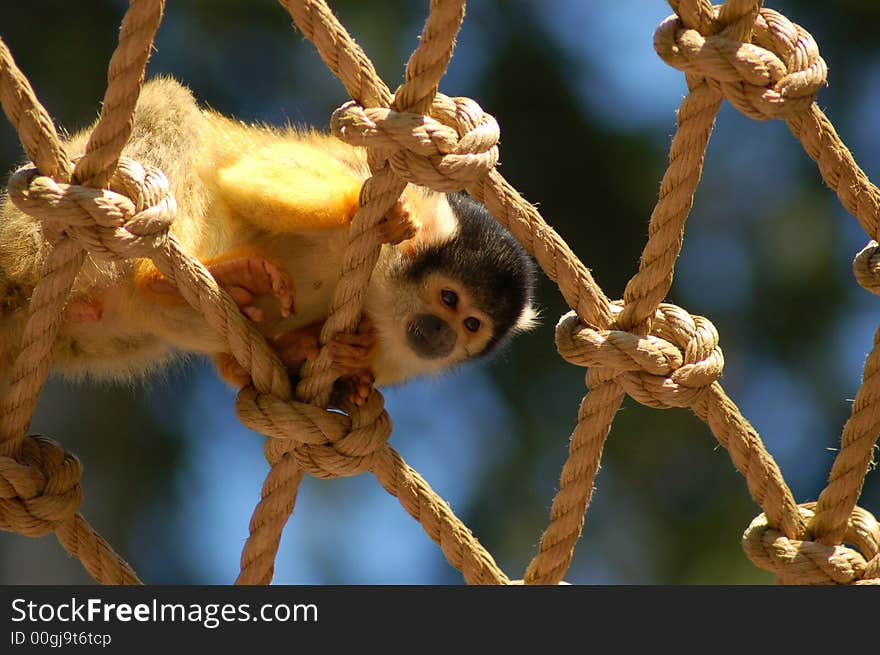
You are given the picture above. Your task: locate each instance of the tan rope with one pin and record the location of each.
(125, 76)
(41, 142)
(797, 561)
(380, 193)
(330, 444)
(642, 297)
(377, 198)
(645, 292)
(656, 352)
(776, 74)
(838, 500)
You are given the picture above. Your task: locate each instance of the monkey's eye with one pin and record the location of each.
(449, 298)
(472, 324)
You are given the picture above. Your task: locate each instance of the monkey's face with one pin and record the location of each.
(450, 326)
(425, 326)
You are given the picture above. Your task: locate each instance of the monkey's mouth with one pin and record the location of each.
(430, 337)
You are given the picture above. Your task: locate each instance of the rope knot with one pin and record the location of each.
(796, 561)
(130, 219)
(669, 367)
(775, 75)
(454, 146)
(866, 267)
(325, 444)
(39, 489)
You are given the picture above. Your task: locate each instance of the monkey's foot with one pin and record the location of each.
(230, 370)
(352, 355)
(356, 388)
(352, 352)
(83, 310)
(400, 223)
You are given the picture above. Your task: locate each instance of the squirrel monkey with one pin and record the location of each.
(267, 212)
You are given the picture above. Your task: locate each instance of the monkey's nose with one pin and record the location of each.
(430, 336)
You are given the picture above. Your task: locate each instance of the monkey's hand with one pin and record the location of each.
(400, 223)
(246, 277)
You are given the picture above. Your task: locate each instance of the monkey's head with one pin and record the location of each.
(457, 291)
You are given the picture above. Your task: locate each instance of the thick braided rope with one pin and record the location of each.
(871, 566)
(31, 121)
(125, 76)
(775, 74)
(423, 72)
(598, 408)
(40, 492)
(328, 444)
(733, 21)
(696, 118)
(808, 561)
(378, 196)
(41, 142)
(298, 444)
(642, 297)
(112, 226)
(493, 191)
(838, 499)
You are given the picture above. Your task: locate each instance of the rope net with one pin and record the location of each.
(112, 207)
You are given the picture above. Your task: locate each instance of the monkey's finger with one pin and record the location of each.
(230, 370)
(281, 288)
(363, 387)
(400, 223)
(292, 360)
(357, 388)
(365, 340)
(346, 353)
(257, 276)
(254, 313)
(241, 296)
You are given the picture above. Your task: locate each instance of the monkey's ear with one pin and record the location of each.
(528, 320)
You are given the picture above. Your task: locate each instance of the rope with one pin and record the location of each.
(130, 219)
(805, 561)
(377, 197)
(776, 74)
(41, 142)
(654, 351)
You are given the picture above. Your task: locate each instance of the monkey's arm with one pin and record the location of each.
(289, 182)
(290, 187)
(264, 182)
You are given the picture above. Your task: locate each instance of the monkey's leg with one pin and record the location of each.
(352, 357)
(293, 349)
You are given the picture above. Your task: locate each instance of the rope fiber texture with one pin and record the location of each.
(764, 65)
